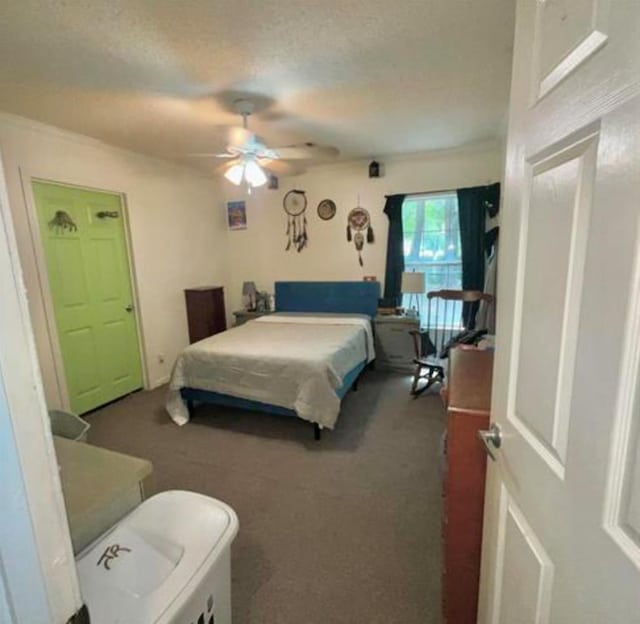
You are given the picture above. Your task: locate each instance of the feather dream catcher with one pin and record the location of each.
(358, 221)
(295, 205)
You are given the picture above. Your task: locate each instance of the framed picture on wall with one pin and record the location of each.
(237, 215)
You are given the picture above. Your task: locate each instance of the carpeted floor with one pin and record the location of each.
(341, 531)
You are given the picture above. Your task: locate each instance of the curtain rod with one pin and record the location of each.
(449, 190)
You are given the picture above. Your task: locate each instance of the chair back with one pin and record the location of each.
(449, 312)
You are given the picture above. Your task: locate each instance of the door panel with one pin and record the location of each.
(526, 569)
(622, 510)
(68, 260)
(561, 541)
(88, 273)
(566, 34)
(557, 226)
(81, 354)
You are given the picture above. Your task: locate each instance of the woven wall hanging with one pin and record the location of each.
(295, 205)
(358, 221)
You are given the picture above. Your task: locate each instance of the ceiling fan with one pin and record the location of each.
(248, 157)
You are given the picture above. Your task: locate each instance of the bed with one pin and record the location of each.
(300, 361)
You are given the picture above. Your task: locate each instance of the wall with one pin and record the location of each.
(38, 581)
(177, 228)
(258, 253)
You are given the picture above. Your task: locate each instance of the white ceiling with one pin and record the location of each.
(372, 77)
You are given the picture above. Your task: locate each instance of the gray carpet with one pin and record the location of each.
(341, 531)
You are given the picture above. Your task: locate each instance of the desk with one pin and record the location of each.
(99, 487)
(468, 401)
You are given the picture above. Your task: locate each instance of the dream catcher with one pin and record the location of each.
(357, 222)
(295, 204)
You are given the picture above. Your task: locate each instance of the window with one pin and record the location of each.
(432, 243)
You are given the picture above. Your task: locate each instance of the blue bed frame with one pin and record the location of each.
(332, 297)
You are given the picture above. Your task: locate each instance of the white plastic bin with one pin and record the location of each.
(167, 562)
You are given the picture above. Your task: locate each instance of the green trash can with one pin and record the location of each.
(68, 425)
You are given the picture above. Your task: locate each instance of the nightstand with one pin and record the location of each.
(242, 316)
(394, 344)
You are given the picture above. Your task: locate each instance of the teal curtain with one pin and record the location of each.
(474, 204)
(395, 251)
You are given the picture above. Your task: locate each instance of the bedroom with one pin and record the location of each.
(422, 89)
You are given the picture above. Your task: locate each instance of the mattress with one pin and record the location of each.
(295, 361)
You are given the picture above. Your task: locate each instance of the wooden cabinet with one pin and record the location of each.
(468, 400)
(394, 344)
(205, 312)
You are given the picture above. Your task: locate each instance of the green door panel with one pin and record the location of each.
(89, 277)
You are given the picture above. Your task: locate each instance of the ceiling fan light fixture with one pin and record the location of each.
(235, 173)
(254, 174)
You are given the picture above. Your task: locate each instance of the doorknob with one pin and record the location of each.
(491, 438)
(129, 308)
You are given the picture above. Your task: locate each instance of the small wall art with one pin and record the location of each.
(326, 209)
(237, 215)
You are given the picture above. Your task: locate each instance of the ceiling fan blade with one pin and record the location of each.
(307, 151)
(222, 167)
(205, 155)
(280, 167)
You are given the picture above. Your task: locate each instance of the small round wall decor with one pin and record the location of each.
(359, 220)
(326, 209)
(295, 205)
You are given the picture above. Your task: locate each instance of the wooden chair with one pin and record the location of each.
(447, 318)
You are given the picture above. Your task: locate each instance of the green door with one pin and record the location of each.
(84, 242)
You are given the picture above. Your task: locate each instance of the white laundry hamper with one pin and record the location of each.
(167, 562)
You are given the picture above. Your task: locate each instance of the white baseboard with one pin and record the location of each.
(159, 382)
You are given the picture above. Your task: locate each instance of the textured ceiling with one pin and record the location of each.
(372, 77)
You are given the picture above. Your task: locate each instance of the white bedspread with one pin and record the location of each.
(296, 361)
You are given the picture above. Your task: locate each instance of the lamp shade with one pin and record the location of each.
(412, 282)
(235, 173)
(249, 289)
(253, 174)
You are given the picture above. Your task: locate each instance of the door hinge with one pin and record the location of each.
(81, 616)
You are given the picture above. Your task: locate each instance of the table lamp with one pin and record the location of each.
(249, 290)
(413, 284)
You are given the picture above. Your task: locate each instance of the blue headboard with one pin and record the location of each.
(336, 297)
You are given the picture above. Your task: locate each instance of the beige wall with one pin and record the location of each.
(258, 254)
(178, 226)
(178, 231)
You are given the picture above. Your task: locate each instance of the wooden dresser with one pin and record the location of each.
(206, 314)
(468, 401)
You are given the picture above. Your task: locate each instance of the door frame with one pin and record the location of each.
(27, 178)
(38, 577)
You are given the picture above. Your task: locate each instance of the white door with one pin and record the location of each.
(562, 517)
